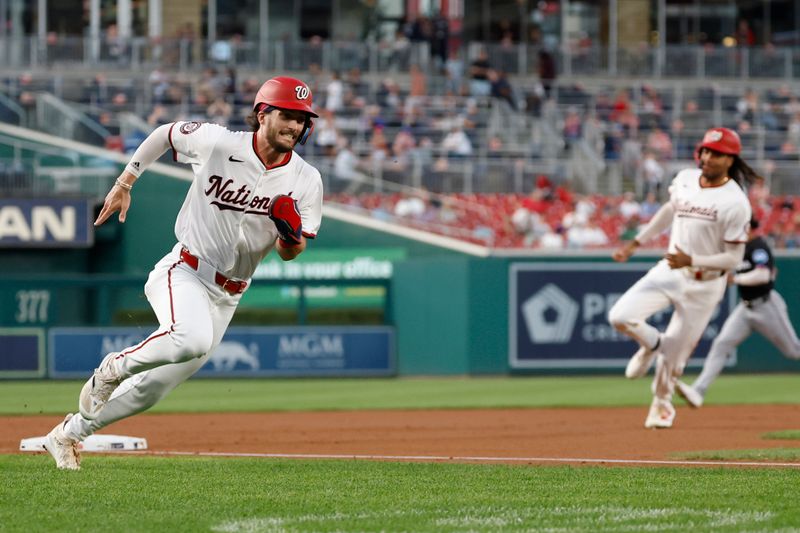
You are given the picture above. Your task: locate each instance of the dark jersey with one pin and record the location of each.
(757, 254)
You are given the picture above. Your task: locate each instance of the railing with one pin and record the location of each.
(672, 61)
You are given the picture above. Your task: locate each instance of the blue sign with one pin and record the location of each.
(244, 352)
(22, 354)
(558, 315)
(45, 223)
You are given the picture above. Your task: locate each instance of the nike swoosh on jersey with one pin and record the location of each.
(234, 160)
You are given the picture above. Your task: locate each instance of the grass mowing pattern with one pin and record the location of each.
(58, 397)
(233, 495)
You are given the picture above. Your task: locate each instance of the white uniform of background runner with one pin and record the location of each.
(223, 230)
(703, 220)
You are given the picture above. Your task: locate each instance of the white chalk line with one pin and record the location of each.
(477, 459)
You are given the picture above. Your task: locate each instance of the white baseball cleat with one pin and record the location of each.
(641, 361)
(660, 416)
(689, 393)
(96, 392)
(63, 449)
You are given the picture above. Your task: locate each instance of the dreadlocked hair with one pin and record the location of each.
(742, 173)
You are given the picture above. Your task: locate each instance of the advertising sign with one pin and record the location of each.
(45, 223)
(558, 315)
(22, 353)
(244, 351)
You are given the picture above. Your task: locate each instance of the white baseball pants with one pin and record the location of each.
(193, 315)
(694, 302)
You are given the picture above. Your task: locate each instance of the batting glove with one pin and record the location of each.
(284, 213)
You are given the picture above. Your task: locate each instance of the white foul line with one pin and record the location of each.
(453, 458)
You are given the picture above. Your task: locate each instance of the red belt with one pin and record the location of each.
(704, 275)
(231, 286)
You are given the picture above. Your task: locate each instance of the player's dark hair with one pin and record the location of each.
(252, 121)
(754, 223)
(742, 173)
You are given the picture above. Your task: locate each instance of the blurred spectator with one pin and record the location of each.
(502, 89)
(440, 36)
(359, 89)
(573, 127)
(326, 136)
(98, 90)
(334, 93)
(629, 207)
(747, 106)
(228, 81)
(454, 73)
(652, 175)
(552, 240)
(159, 85)
(410, 207)
(210, 84)
(479, 84)
(158, 116)
(389, 95)
(456, 143)
(418, 90)
(621, 106)
(584, 233)
(402, 147)
(630, 154)
(219, 111)
(379, 145)
(536, 202)
(547, 71)
(651, 108)
(115, 46)
(631, 229)
(347, 169)
(744, 34)
(399, 51)
(793, 129)
(659, 143)
(649, 206)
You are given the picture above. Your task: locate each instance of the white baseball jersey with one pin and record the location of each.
(224, 217)
(707, 217)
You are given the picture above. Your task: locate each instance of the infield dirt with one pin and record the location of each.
(613, 433)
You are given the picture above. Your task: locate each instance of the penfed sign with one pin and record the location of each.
(45, 223)
(558, 315)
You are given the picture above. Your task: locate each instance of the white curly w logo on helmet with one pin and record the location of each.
(302, 92)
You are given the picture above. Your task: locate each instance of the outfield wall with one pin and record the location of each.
(450, 303)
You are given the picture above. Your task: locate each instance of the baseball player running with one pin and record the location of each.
(251, 193)
(709, 213)
(761, 309)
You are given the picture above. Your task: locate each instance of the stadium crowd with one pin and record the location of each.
(426, 129)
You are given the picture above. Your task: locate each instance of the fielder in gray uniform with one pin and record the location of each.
(761, 309)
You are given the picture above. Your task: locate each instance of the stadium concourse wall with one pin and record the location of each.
(457, 309)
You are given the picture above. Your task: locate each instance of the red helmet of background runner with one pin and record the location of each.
(285, 93)
(722, 140)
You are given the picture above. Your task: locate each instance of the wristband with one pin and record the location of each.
(128, 187)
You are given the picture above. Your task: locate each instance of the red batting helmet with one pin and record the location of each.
(722, 140)
(285, 93)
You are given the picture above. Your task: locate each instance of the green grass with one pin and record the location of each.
(230, 495)
(761, 454)
(57, 397)
(789, 434)
(147, 493)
